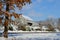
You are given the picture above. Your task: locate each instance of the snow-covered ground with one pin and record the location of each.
(34, 36)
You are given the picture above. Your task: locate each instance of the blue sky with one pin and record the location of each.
(41, 9)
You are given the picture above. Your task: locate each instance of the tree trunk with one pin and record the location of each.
(6, 23)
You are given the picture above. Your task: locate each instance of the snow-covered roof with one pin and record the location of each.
(26, 17)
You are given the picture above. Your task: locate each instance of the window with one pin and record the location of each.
(30, 24)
